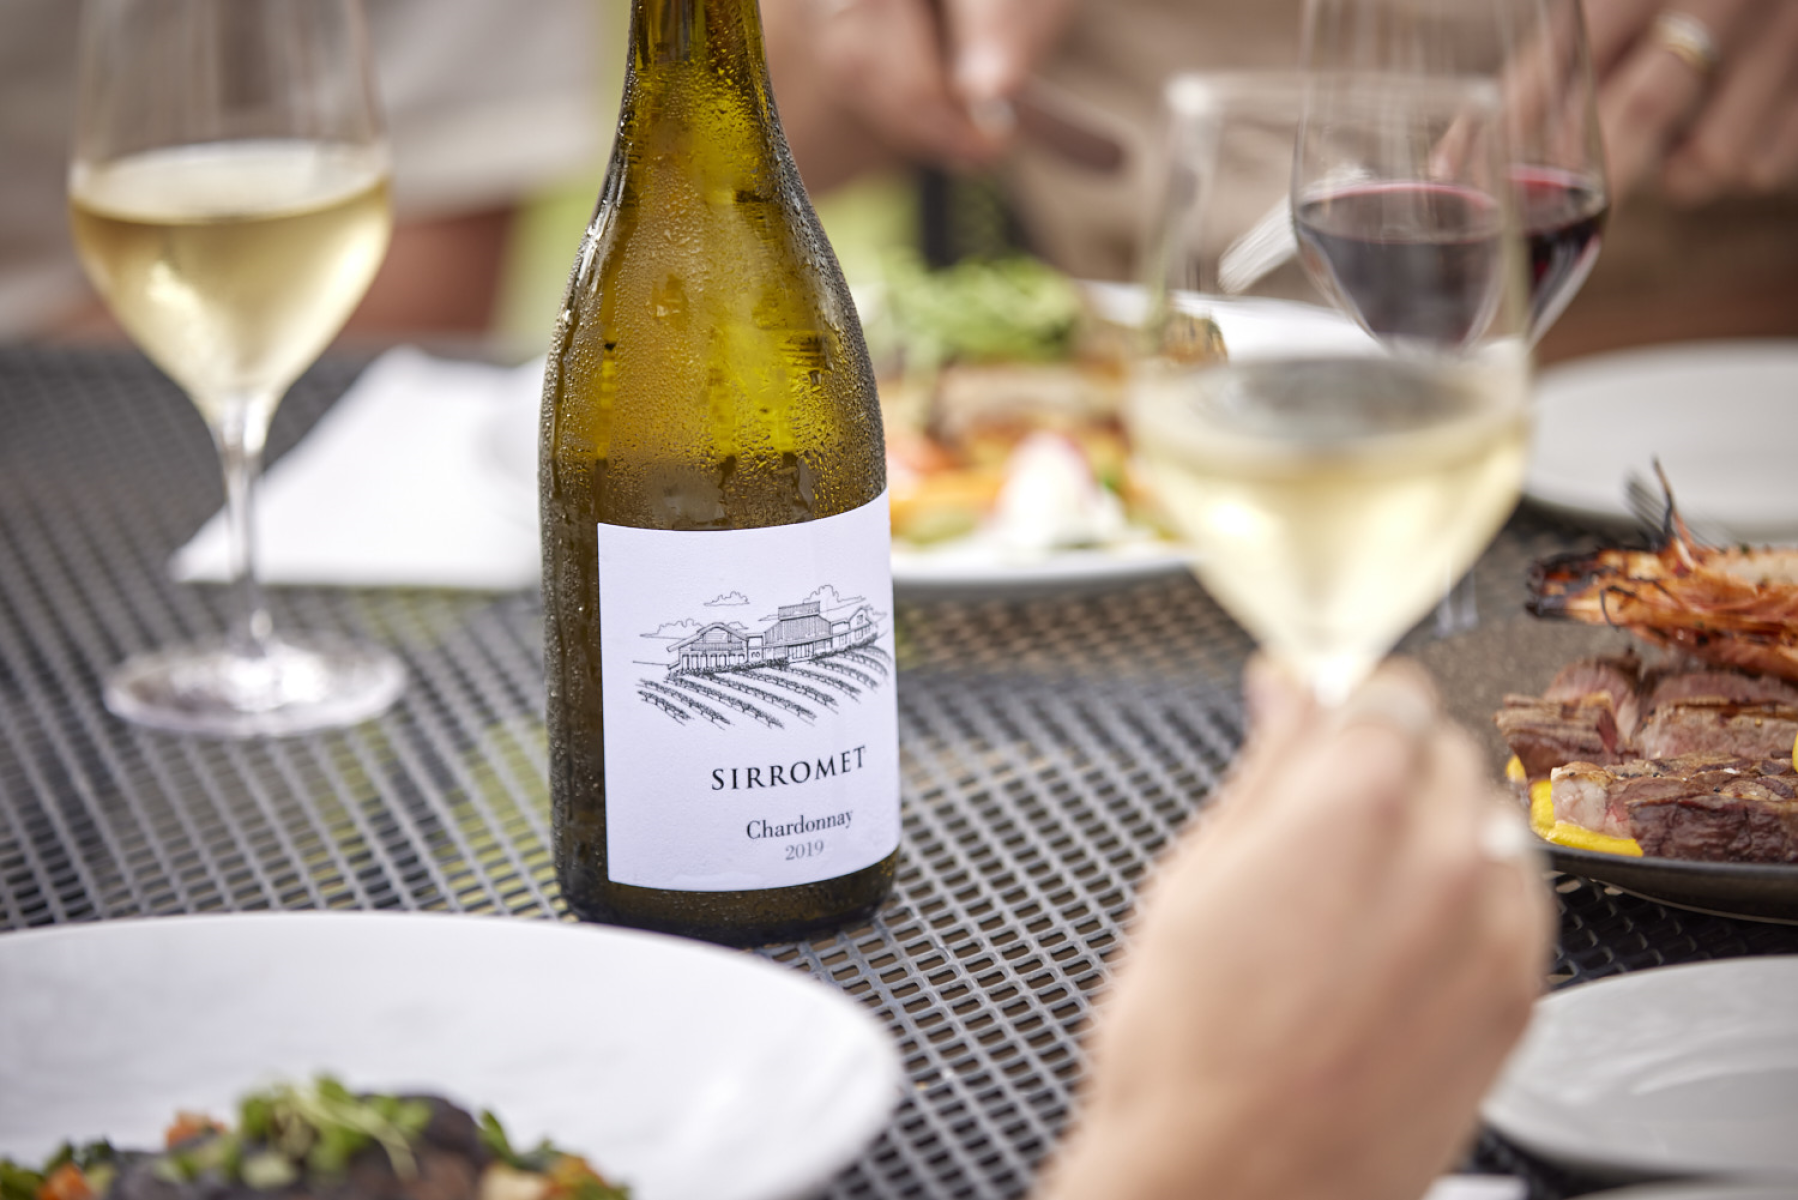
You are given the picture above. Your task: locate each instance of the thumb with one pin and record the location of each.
(1278, 702)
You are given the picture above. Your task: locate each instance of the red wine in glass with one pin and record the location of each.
(1412, 261)
(1417, 261)
(1563, 217)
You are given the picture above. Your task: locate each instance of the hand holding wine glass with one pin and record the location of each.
(229, 200)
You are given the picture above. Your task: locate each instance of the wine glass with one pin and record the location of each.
(228, 197)
(1332, 480)
(1537, 52)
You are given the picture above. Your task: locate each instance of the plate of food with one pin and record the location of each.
(1670, 775)
(675, 1069)
(1604, 418)
(1687, 1070)
(1002, 388)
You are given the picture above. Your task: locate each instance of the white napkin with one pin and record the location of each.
(422, 475)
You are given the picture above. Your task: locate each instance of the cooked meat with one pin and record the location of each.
(1735, 607)
(1721, 687)
(1582, 794)
(1614, 710)
(1596, 797)
(1710, 726)
(1544, 733)
(1715, 807)
(1750, 817)
(1618, 679)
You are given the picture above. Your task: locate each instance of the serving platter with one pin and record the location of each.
(1756, 891)
(686, 1071)
(1687, 1070)
(1518, 653)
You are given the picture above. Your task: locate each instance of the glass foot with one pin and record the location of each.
(299, 684)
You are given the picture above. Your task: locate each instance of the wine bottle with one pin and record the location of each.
(716, 575)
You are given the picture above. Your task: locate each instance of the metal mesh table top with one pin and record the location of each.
(1050, 746)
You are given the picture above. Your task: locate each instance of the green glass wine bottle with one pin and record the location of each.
(716, 576)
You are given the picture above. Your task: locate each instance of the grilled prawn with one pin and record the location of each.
(1735, 607)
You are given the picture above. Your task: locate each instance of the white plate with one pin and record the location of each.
(686, 1071)
(1710, 1189)
(1722, 416)
(1689, 1070)
(973, 566)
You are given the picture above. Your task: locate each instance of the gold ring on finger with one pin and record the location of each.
(1688, 39)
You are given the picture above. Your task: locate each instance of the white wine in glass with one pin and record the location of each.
(228, 198)
(1330, 482)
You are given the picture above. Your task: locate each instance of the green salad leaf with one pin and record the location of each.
(1000, 310)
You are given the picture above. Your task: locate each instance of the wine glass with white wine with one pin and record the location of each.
(1330, 473)
(228, 196)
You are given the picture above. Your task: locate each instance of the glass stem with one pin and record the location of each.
(240, 433)
(1334, 677)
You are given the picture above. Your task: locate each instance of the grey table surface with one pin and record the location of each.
(1051, 745)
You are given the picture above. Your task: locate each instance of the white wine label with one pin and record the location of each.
(751, 722)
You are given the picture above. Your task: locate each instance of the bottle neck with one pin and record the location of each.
(695, 62)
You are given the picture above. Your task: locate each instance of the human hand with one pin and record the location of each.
(934, 77)
(1328, 971)
(1730, 126)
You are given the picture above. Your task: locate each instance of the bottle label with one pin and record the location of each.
(751, 721)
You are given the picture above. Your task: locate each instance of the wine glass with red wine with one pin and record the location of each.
(1536, 52)
(1400, 194)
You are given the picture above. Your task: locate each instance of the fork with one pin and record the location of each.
(1268, 243)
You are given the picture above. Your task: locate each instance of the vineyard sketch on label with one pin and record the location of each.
(806, 660)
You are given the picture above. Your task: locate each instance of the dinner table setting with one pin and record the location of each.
(1053, 744)
(355, 874)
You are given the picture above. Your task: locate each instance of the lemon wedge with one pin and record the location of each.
(1578, 837)
(1542, 808)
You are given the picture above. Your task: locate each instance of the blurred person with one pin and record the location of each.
(1701, 96)
(484, 109)
(1698, 100)
(1334, 1037)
